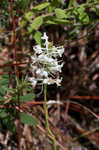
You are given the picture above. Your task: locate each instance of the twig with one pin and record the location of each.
(16, 71)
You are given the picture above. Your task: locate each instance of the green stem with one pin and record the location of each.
(46, 116)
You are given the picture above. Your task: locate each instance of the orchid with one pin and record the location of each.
(45, 63)
(44, 66)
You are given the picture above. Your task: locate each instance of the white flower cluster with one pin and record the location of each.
(45, 63)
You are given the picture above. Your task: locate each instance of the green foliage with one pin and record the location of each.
(96, 10)
(22, 4)
(28, 15)
(37, 36)
(41, 6)
(8, 115)
(3, 114)
(81, 14)
(7, 118)
(4, 85)
(53, 13)
(37, 22)
(27, 97)
(28, 119)
(72, 3)
(60, 13)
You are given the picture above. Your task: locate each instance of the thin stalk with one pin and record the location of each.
(46, 116)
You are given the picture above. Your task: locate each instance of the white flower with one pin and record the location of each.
(57, 51)
(37, 49)
(56, 68)
(59, 67)
(58, 81)
(33, 81)
(48, 81)
(34, 67)
(52, 81)
(61, 51)
(45, 63)
(41, 72)
(45, 73)
(45, 81)
(34, 59)
(45, 60)
(45, 37)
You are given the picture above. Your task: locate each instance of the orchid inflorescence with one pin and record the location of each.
(45, 63)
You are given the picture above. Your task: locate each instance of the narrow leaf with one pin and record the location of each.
(60, 13)
(62, 21)
(37, 37)
(42, 6)
(28, 119)
(84, 18)
(50, 22)
(1, 98)
(27, 97)
(28, 15)
(96, 10)
(23, 23)
(3, 114)
(35, 24)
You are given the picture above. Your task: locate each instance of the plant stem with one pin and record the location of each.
(46, 116)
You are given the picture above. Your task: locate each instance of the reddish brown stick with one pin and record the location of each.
(16, 70)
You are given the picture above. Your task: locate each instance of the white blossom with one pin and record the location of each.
(56, 68)
(44, 59)
(45, 63)
(60, 52)
(45, 37)
(37, 49)
(41, 72)
(33, 81)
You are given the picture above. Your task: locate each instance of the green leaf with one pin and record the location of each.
(4, 85)
(27, 97)
(4, 81)
(71, 33)
(35, 24)
(28, 119)
(9, 123)
(81, 9)
(84, 18)
(81, 14)
(25, 4)
(59, 1)
(1, 98)
(1, 29)
(37, 37)
(28, 15)
(72, 3)
(50, 22)
(23, 23)
(60, 13)
(96, 1)
(96, 10)
(42, 6)
(62, 21)
(3, 90)
(3, 114)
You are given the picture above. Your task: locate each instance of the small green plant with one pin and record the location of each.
(9, 99)
(45, 64)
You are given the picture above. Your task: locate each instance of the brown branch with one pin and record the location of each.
(16, 70)
(13, 64)
(85, 97)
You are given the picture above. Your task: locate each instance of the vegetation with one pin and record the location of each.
(70, 116)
